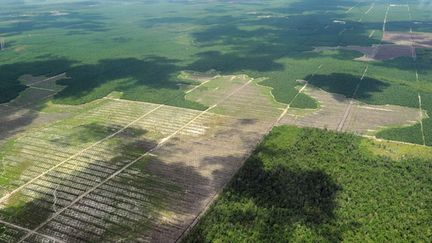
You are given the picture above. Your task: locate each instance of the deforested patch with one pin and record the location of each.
(361, 118)
(418, 39)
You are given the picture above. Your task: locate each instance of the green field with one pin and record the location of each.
(319, 186)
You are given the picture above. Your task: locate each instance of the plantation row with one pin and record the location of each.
(76, 155)
(54, 167)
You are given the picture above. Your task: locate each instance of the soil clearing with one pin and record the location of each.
(362, 118)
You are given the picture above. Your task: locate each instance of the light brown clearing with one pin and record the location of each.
(199, 76)
(376, 52)
(382, 52)
(388, 52)
(19, 49)
(362, 118)
(396, 44)
(418, 39)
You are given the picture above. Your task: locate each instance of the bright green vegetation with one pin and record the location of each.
(303, 101)
(138, 49)
(396, 150)
(320, 186)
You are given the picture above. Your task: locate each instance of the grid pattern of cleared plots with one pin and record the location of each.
(125, 206)
(77, 188)
(121, 112)
(163, 121)
(10, 234)
(42, 149)
(217, 89)
(62, 164)
(167, 120)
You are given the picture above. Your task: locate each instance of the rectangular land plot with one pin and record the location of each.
(111, 173)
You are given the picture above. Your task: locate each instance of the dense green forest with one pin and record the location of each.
(309, 185)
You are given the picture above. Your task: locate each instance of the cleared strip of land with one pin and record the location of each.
(185, 156)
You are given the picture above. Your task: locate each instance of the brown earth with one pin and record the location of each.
(382, 52)
(376, 52)
(418, 39)
(395, 44)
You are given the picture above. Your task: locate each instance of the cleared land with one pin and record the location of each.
(361, 119)
(68, 180)
(419, 40)
(173, 160)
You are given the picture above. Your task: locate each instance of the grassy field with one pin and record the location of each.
(313, 185)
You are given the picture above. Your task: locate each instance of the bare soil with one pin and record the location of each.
(382, 52)
(418, 39)
(376, 52)
(362, 119)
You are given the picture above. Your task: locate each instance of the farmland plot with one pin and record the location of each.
(69, 180)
